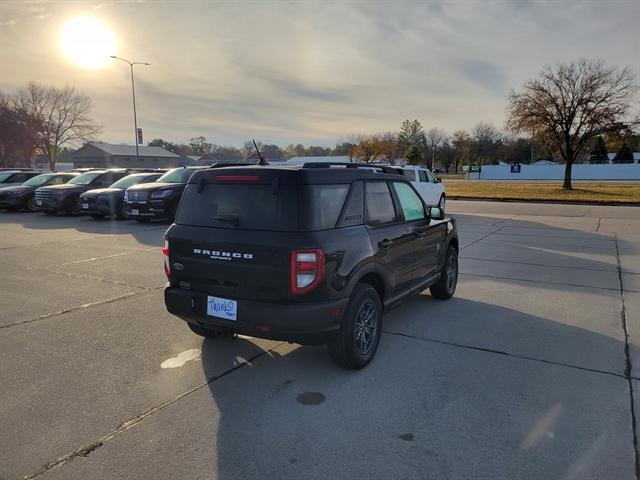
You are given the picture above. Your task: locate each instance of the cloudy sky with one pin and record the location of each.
(309, 71)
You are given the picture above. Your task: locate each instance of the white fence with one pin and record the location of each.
(628, 171)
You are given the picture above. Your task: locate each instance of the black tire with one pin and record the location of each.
(359, 336)
(442, 202)
(445, 287)
(172, 213)
(120, 215)
(30, 205)
(97, 216)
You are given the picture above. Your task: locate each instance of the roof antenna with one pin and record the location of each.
(263, 161)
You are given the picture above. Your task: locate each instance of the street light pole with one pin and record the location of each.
(133, 92)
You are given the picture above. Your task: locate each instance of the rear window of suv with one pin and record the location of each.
(257, 207)
(252, 207)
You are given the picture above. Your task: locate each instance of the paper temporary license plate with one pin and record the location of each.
(222, 308)
(39, 203)
(85, 205)
(135, 211)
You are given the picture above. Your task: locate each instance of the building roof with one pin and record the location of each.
(130, 150)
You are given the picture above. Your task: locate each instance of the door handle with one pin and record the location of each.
(386, 243)
(420, 233)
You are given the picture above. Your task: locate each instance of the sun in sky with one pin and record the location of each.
(87, 41)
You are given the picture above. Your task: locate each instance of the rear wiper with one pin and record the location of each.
(235, 221)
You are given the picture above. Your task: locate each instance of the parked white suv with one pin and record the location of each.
(429, 187)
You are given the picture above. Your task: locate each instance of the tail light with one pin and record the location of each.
(307, 270)
(165, 254)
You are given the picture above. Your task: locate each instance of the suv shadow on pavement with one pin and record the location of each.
(445, 398)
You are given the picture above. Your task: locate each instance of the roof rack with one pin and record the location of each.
(236, 164)
(383, 168)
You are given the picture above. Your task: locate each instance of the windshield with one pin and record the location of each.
(130, 180)
(179, 175)
(85, 178)
(38, 180)
(4, 176)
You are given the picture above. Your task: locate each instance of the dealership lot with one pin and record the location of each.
(525, 373)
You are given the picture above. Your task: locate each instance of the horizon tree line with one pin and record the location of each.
(572, 112)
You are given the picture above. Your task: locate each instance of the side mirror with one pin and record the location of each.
(438, 180)
(436, 213)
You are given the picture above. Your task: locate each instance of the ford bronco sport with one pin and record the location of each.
(310, 254)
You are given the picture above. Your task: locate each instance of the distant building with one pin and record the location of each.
(97, 154)
(206, 159)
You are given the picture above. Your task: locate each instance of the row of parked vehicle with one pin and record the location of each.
(116, 192)
(139, 194)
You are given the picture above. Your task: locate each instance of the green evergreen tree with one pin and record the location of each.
(624, 155)
(413, 155)
(599, 152)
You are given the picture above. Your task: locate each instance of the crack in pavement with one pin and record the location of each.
(564, 267)
(76, 239)
(86, 450)
(78, 276)
(80, 307)
(629, 366)
(482, 238)
(497, 277)
(507, 354)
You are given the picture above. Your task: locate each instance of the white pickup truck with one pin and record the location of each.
(429, 187)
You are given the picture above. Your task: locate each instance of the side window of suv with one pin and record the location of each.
(411, 204)
(432, 179)
(18, 177)
(423, 176)
(59, 180)
(379, 207)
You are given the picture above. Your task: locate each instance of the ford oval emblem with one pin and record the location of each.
(178, 266)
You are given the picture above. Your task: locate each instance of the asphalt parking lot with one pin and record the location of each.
(525, 374)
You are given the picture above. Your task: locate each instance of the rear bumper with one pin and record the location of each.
(313, 323)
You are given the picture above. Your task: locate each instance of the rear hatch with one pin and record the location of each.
(234, 233)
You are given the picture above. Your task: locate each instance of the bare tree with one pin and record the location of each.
(573, 103)
(486, 140)
(61, 116)
(461, 144)
(434, 139)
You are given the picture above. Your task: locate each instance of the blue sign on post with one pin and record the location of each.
(515, 168)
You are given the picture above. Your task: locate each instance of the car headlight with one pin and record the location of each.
(161, 193)
(15, 193)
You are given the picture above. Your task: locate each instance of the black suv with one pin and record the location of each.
(158, 200)
(64, 198)
(102, 202)
(16, 177)
(311, 254)
(22, 196)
